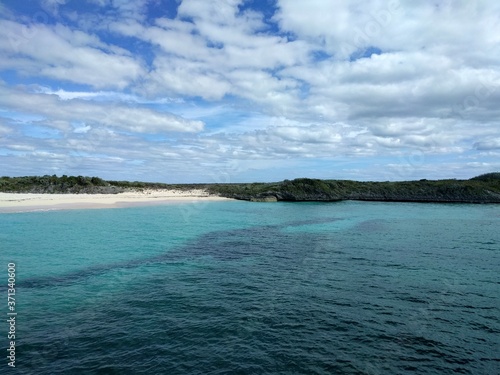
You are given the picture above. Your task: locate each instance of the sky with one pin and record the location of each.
(243, 91)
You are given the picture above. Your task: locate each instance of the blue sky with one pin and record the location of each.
(238, 91)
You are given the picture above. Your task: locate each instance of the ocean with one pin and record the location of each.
(236, 287)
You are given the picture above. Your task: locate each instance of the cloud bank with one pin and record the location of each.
(197, 91)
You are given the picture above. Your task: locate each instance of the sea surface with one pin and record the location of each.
(255, 288)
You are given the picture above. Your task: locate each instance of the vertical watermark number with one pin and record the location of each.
(11, 314)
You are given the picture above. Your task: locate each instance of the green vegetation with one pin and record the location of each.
(477, 190)
(77, 185)
(488, 177)
(481, 189)
(54, 184)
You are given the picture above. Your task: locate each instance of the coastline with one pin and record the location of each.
(28, 202)
(52, 192)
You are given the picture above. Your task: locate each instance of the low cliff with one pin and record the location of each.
(477, 190)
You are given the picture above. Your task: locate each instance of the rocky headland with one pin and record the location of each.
(481, 189)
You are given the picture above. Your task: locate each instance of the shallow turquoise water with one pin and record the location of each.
(257, 288)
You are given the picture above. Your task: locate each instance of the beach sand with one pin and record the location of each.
(19, 202)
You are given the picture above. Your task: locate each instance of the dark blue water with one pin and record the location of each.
(256, 288)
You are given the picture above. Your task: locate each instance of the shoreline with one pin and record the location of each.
(28, 202)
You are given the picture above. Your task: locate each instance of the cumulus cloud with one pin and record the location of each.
(59, 52)
(393, 88)
(212, 50)
(395, 25)
(60, 114)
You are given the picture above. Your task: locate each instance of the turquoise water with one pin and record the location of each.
(256, 288)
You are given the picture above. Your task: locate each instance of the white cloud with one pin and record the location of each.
(59, 114)
(395, 25)
(21, 147)
(175, 76)
(115, 96)
(214, 56)
(59, 52)
(314, 134)
(308, 91)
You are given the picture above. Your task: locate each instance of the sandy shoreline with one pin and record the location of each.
(20, 202)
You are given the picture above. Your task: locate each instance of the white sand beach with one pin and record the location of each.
(19, 202)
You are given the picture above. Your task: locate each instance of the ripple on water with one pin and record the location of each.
(348, 289)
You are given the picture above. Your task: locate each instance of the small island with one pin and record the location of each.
(481, 189)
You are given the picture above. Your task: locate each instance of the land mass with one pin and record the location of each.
(481, 189)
